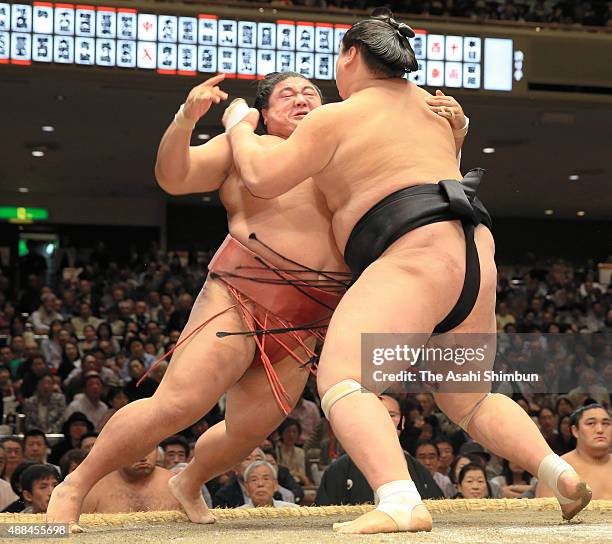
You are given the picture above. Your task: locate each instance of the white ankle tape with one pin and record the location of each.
(551, 467)
(397, 499)
(338, 392)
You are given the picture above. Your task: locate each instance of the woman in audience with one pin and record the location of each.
(91, 340)
(105, 332)
(71, 359)
(288, 454)
(51, 347)
(472, 483)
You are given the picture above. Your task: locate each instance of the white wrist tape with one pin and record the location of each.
(237, 114)
(181, 121)
(461, 132)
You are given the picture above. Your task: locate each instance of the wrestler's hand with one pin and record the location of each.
(447, 107)
(238, 112)
(202, 97)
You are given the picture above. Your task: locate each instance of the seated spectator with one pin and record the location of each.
(14, 455)
(176, 450)
(147, 387)
(288, 454)
(73, 429)
(513, 481)
(476, 449)
(589, 387)
(71, 359)
(7, 495)
(563, 406)
(84, 318)
(503, 317)
(35, 446)
(70, 460)
(447, 454)
(19, 504)
(37, 483)
(591, 426)
(233, 493)
(428, 455)
(90, 339)
(31, 371)
(472, 483)
(105, 333)
(139, 487)
(53, 346)
(261, 483)
(89, 402)
(7, 358)
(343, 483)
(307, 413)
(546, 421)
(564, 441)
(45, 409)
(7, 391)
(75, 382)
(289, 489)
(465, 459)
(43, 317)
(87, 442)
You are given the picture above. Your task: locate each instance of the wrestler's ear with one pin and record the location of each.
(348, 57)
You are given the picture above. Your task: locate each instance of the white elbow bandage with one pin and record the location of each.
(237, 114)
(181, 121)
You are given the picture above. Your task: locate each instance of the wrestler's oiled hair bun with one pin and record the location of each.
(383, 43)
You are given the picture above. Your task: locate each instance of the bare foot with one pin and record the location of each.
(379, 522)
(194, 505)
(65, 505)
(572, 486)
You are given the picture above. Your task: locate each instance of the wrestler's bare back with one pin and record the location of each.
(296, 224)
(413, 146)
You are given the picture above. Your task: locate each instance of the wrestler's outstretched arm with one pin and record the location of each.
(269, 172)
(182, 169)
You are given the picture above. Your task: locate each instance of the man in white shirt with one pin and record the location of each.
(85, 318)
(261, 483)
(89, 402)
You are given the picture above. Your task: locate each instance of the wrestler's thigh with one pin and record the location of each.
(205, 362)
(251, 408)
(410, 294)
(482, 317)
(477, 331)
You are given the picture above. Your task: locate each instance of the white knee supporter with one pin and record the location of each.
(551, 467)
(338, 392)
(397, 499)
(465, 421)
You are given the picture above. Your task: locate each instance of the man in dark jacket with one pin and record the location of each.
(343, 483)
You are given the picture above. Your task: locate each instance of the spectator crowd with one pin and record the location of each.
(568, 12)
(74, 343)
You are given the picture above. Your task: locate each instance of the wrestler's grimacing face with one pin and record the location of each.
(291, 100)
